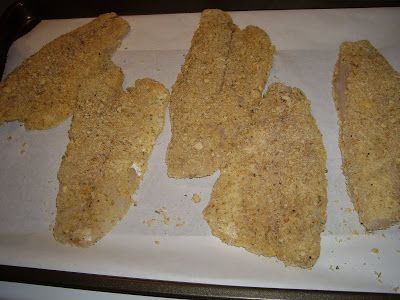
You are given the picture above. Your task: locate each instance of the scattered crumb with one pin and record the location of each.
(348, 210)
(23, 150)
(9, 138)
(378, 276)
(149, 222)
(196, 198)
(158, 69)
(157, 242)
(51, 226)
(383, 235)
(331, 268)
(164, 214)
(337, 268)
(375, 250)
(348, 238)
(180, 224)
(185, 195)
(338, 240)
(396, 289)
(355, 232)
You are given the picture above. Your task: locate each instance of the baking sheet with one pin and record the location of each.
(178, 244)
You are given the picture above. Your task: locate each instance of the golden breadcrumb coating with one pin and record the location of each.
(112, 132)
(42, 91)
(223, 76)
(366, 90)
(271, 195)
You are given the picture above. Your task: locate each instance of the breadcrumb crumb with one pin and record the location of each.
(163, 212)
(178, 225)
(196, 198)
(149, 222)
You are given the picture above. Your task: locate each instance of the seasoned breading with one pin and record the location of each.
(111, 132)
(271, 195)
(366, 90)
(222, 78)
(201, 77)
(42, 91)
(248, 64)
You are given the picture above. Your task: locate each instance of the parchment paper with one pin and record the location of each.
(307, 44)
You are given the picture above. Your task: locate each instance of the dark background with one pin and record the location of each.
(4, 4)
(84, 8)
